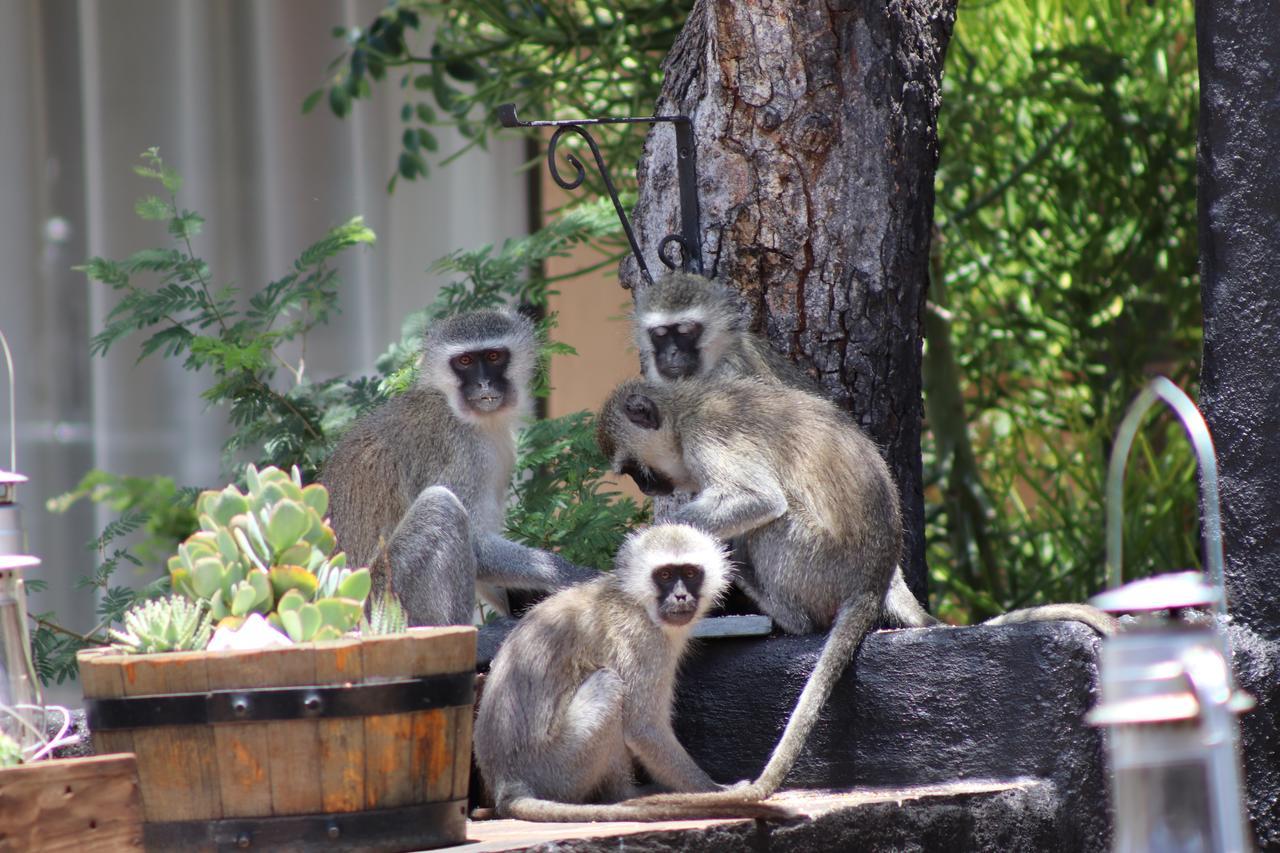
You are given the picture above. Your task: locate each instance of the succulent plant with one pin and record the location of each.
(10, 752)
(269, 551)
(386, 616)
(172, 624)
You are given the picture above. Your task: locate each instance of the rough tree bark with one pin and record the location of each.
(817, 142)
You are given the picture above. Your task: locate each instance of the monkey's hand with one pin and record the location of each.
(510, 564)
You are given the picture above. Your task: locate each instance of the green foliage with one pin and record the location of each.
(187, 314)
(269, 551)
(170, 624)
(1066, 206)
(561, 503)
(559, 55)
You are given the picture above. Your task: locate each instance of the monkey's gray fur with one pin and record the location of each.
(584, 685)
(808, 493)
(417, 487)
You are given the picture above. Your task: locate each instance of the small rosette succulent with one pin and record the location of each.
(271, 552)
(172, 624)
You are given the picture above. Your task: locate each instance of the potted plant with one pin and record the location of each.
(331, 739)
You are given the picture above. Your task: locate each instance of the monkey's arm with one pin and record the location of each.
(733, 503)
(666, 760)
(509, 564)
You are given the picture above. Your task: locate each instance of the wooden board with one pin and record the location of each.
(341, 750)
(71, 805)
(101, 678)
(409, 758)
(177, 765)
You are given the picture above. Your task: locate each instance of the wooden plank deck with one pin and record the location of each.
(502, 836)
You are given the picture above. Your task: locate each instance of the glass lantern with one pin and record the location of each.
(1168, 700)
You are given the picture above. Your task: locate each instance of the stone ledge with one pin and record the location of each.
(1019, 815)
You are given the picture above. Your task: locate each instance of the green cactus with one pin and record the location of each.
(271, 552)
(173, 624)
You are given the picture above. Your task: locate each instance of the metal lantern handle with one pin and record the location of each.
(13, 410)
(1193, 422)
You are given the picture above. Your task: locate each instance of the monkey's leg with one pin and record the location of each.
(580, 757)
(509, 564)
(432, 562)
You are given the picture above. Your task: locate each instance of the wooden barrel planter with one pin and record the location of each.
(359, 744)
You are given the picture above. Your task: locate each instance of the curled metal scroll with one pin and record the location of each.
(689, 239)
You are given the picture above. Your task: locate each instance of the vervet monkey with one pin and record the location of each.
(418, 487)
(810, 497)
(583, 687)
(687, 326)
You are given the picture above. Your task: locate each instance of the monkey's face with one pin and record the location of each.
(630, 432)
(676, 353)
(678, 587)
(482, 378)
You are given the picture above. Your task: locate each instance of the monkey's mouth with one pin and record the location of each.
(679, 616)
(486, 401)
(674, 369)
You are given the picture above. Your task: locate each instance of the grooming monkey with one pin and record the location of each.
(584, 685)
(417, 487)
(810, 499)
(689, 326)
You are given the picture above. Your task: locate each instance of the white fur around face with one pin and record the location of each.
(672, 544)
(437, 374)
(649, 319)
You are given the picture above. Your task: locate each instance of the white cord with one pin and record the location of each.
(45, 745)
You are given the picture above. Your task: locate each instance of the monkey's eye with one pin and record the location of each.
(689, 573)
(660, 331)
(664, 574)
(687, 328)
(491, 355)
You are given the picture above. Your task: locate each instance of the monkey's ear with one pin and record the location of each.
(643, 412)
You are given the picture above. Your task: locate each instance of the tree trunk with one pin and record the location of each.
(816, 131)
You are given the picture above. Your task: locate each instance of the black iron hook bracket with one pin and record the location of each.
(690, 237)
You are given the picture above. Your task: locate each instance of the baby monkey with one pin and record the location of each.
(584, 686)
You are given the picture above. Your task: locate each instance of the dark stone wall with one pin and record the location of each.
(1239, 52)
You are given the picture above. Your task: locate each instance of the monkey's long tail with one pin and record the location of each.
(1100, 621)
(531, 808)
(856, 617)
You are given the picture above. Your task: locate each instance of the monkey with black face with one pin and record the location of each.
(583, 687)
(689, 326)
(811, 499)
(418, 486)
